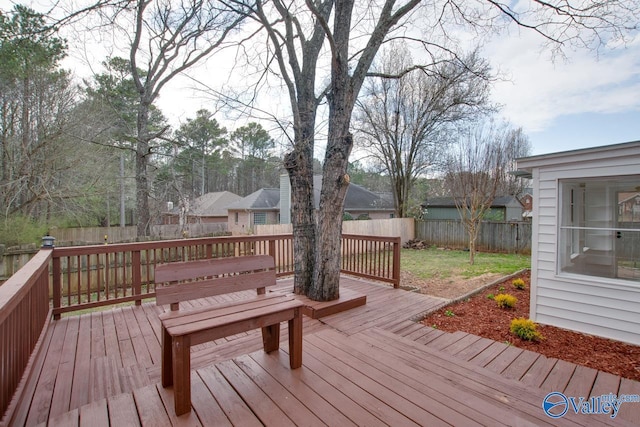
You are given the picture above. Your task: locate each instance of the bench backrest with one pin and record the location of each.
(189, 280)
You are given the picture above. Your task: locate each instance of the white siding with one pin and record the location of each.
(593, 305)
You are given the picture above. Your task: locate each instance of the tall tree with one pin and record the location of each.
(35, 99)
(165, 38)
(405, 120)
(297, 34)
(477, 170)
(112, 95)
(200, 138)
(254, 145)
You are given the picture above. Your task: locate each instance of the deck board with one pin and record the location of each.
(371, 365)
(82, 364)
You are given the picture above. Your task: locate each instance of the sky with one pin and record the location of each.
(584, 100)
(587, 99)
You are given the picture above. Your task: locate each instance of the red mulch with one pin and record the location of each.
(481, 316)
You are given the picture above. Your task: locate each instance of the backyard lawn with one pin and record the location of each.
(447, 273)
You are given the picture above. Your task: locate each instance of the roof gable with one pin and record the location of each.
(262, 199)
(357, 197)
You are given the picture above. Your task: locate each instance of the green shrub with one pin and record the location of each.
(518, 283)
(20, 230)
(525, 329)
(449, 313)
(505, 300)
(491, 296)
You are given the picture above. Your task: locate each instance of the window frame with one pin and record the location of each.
(593, 238)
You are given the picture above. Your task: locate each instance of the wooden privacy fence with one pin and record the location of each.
(509, 237)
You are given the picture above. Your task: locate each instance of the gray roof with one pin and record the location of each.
(357, 198)
(210, 204)
(264, 199)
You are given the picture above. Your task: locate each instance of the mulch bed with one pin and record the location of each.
(481, 316)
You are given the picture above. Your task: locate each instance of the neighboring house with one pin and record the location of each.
(507, 208)
(206, 209)
(585, 255)
(272, 206)
(359, 202)
(259, 207)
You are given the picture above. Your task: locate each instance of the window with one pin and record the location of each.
(600, 227)
(259, 218)
(236, 217)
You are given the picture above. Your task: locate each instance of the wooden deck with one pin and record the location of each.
(370, 365)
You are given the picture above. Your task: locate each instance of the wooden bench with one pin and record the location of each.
(203, 278)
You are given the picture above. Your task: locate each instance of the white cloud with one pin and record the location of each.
(540, 90)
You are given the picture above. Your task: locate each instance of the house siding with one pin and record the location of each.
(593, 305)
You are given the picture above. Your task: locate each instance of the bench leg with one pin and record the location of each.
(182, 374)
(295, 340)
(271, 337)
(167, 359)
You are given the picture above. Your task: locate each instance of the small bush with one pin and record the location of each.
(449, 313)
(491, 296)
(525, 329)
(518, 283)
(505, 300)
(19, 230)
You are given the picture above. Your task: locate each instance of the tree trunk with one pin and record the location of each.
(473, 236)
(299, 165)
(335, 182)
(142, 185)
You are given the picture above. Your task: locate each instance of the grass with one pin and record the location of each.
(436, 263)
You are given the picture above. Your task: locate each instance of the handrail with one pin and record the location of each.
(24, 314)
(92, 276)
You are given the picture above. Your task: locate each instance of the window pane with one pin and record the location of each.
(260, 218)
(600, 227)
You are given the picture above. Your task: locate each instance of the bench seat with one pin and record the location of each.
(183, 329)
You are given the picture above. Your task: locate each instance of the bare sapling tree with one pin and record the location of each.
(477, 169)
(405, 122)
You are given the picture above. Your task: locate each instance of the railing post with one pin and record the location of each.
(272, 248)
(396, 262)
(57, 286)
(136, 275)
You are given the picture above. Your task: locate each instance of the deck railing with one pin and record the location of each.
(84, 277)
(92, 276)
(372, 257)
(24, 314)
